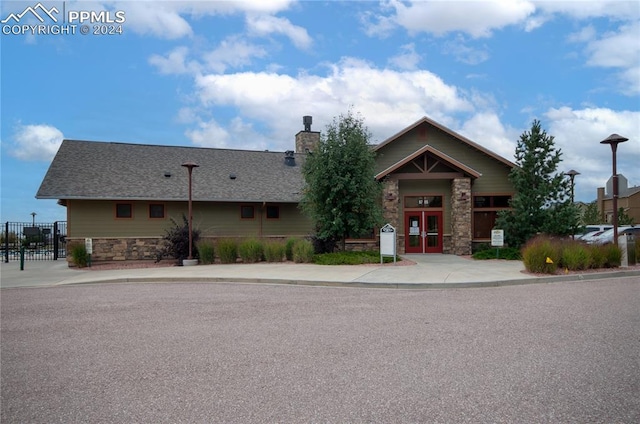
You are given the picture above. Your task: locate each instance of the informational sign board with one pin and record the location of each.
(88, 244)
(497, 238)
(388, 242)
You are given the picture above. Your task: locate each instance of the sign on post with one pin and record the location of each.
(497, 238)
(388, 242)
(88, 244)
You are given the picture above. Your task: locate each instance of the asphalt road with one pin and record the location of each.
(204, 353)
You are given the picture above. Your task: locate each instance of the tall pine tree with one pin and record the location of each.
(542, 202)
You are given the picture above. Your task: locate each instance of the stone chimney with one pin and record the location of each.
(307, 140)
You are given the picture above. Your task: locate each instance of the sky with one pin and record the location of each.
(241, 74)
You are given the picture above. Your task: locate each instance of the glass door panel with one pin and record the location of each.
(413, 230)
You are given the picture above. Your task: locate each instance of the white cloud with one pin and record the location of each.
(459, 48)
(616, 9)
(615, 49)
(175, 62)
(408, 59)
(232, 52)
(36, 142)
(478, 19)
(266, 24)
(619, 49)
(165, 19)
(158, 19)
(578, 133)
(209, 134)
(212, 134)
(389, 95)
(486, 129)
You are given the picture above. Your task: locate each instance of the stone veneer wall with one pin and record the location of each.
(461, 234)
(307, 141)
(122, 249)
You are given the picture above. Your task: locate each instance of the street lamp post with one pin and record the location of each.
(33, 219)
(572, 175)
(190, 166)
(614, 140)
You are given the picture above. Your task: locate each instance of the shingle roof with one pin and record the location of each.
(103, 170)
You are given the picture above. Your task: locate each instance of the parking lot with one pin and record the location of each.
(203, 352)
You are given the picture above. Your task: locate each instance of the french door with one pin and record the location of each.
(423, 232)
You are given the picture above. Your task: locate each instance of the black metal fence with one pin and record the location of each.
(41, 241)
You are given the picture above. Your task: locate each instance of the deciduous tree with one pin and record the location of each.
(341, 195)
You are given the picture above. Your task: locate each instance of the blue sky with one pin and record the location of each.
(242, 74)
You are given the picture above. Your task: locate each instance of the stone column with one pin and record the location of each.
(461, 234)
(390, 208)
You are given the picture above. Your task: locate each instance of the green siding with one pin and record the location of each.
(94, 218)
(494, 173)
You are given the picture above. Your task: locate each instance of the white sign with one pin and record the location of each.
(388, 242)
(414, 231)
(88, 244)
(497, 238)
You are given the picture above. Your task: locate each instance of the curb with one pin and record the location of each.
(364, 284)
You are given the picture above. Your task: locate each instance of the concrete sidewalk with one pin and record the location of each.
(430, 271)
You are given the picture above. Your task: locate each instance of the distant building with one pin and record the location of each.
(628, 200)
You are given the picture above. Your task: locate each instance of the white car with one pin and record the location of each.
(590, 230)
(607, 236)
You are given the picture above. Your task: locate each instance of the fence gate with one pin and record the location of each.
(41, 241)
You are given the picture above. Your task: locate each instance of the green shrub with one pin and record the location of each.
(598, 256)
(509, 253)
(288, 248)
(541, 255)
(206, 252)
(228, 251)
(613, 256)
(350, 258)
(274, 251)
(251, 250)
(575, 256)
(79, 255)
(303, 251)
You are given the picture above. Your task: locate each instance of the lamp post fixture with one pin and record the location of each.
(572, 175)
(33, 219)
(614, 140)
(190, 166)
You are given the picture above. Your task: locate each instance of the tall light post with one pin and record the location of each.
(614, 140)
(190, 166)
(572, 175)
(33, 219)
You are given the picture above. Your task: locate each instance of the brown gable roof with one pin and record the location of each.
(104, 170)
(464, 168)
(450, 132)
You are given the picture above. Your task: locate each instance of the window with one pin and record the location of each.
(124, 210)
(273, 212)
(423, 202)
(485, 213)
(247, 212)
(156, 210)
(491, 201)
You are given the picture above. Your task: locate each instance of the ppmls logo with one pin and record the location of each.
(101, 22)
(34, 11)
